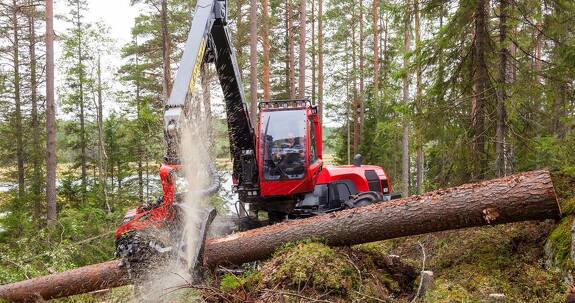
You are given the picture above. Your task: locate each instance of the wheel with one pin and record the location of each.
(363, 199)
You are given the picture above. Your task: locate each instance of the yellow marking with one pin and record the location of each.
(198, 66)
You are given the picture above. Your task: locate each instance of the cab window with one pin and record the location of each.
(283, 147)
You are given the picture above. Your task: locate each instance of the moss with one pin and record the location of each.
(445, 291)
(568, 207)
(230, 282)
(559, 243)
(313, 264)
(247, 281)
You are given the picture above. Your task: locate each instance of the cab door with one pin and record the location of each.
(313, 145)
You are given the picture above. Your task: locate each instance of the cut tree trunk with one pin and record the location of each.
(81, 280)
(521, 197)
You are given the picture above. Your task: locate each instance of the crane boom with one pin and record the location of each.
(209, 41)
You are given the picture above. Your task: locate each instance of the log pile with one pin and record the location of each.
(522, 197)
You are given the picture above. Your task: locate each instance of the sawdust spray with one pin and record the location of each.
(196, 177)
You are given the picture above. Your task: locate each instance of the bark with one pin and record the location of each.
(375, 28)
(480, 85)
(166, 49)
(266, 50)
(419, 158)
(320, 59)
(17, 100)
(405, 122)
(52, 212)
(37, 148)
(522, 197)
(302, 34)
(253, 60)
(290, 54)
(502, 96)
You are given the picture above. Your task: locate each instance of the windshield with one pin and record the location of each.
(283, 147)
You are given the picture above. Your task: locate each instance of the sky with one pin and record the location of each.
(118, 15)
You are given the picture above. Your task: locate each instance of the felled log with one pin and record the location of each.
(77, 281)
(521, 197)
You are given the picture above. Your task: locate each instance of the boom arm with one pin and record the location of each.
(209, 41)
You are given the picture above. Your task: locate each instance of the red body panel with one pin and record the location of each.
(155, 217)
(350, 172)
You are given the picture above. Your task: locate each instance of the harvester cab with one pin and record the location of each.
(289, 154)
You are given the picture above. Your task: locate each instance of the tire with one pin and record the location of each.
(363, 199)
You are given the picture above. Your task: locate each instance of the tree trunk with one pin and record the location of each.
(101, 148)
(320, 59)
(17, 100)
(405, 118)
(348, 113)
(501, 96)
(83, 145)
(139, 141)
(354, 75)
(239, 43)
(521, 197)
(480, 85)
(290, 55)
(52, 212)
(313, 54)
(37, 148)
(538, 43)
(81, 280)
(166, 49)
(375, 28)
(253, 60)
(266, 50)
(419, 158)
(302, 33)
(361, 75)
